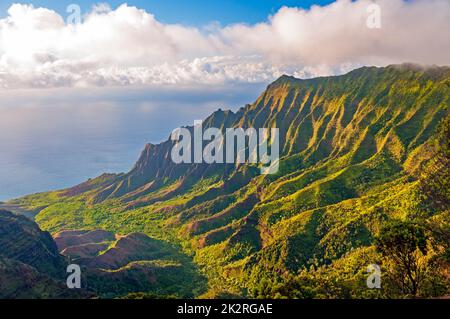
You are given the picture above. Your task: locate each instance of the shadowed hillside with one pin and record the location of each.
(30, 265)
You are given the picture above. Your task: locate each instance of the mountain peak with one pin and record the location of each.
(284, 79)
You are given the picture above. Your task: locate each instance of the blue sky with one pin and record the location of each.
(193, 12)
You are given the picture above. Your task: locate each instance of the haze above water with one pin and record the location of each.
(59, 138)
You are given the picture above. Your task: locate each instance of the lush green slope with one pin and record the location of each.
(351, 150)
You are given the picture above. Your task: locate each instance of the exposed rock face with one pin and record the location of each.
(68, 239)
(130, 248)
(102, 249)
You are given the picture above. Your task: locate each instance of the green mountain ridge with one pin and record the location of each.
(351, 149)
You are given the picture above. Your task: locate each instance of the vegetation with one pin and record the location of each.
(403, 247)
(363, 180)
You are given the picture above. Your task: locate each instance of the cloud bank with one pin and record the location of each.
(129, 46)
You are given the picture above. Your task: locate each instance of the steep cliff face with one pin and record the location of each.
(155, 168)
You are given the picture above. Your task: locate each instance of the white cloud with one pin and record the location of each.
(128, 46)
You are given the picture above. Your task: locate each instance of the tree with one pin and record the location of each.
(403, 247)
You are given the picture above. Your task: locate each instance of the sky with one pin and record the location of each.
(193, 12)
(78, 98)
(122, 44)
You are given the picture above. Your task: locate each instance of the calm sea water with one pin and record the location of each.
(52, 140)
